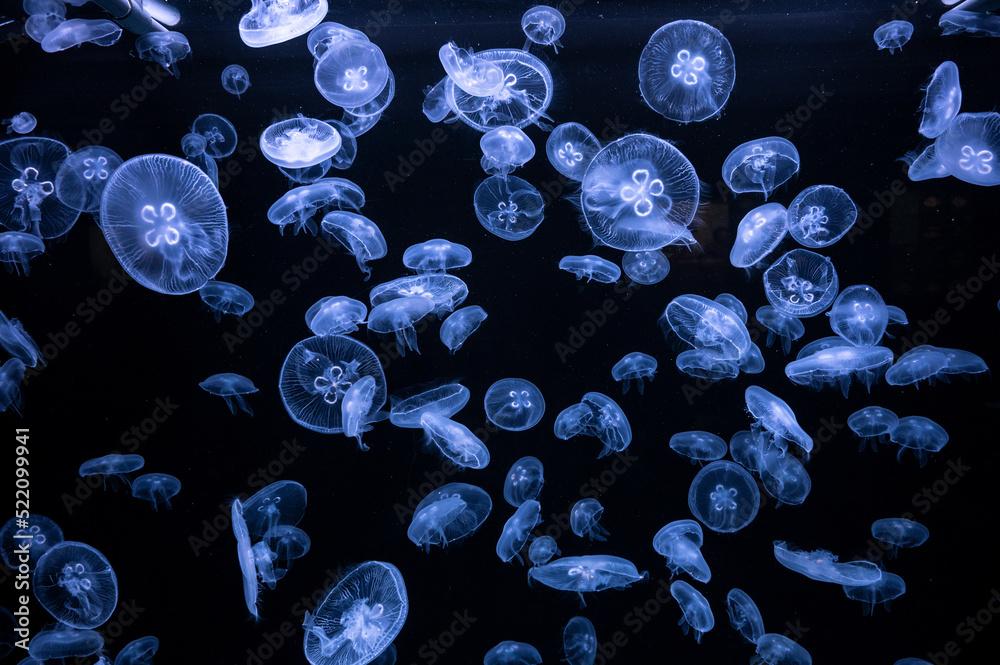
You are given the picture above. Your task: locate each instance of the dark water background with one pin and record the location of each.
(121, 357)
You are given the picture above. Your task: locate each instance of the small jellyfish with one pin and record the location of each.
(775, 649)
(156, 488)
(747, 449)
(686, 71)
(859, 315)
(517, 530)
(193, 145)
(299, 206)
(231, 387)
(351, 73)
(646, 267)
(724, 497)
(969, 148)
(699, 446)
(508, 207)
(823, 566)
(759, 232)
(436, 107)
(634, 369)
(335, 315)
(358, 234)
(897, 532)
(76, 585)
(448, 514)
(505, 149)
(773, 416)
(784, 477)
(893, 35)
(446, 292)
(523, 99)
(942, 100)
(580, 641)
(761, 165)
(81, 179)
(299, 142)
(587, 574)
(731, 302)
(510, 652)
(924, 165)
(592, 268)
(220, 135)
(543, 25)
(275, 21)
(820, 216)
(696, 614)
(282, 503)
(343, 158)
(542, 549)
(164, 48)
(79, 31)
(584, 520)
(64, 643)
(455, 441)
(445, 400)
(436, 255)
(39, 533)
(113, 466)
(138, 652)
(889, 587)
(524, 481)
(476, 76)
(921, 435)
(398, 317)
(872, 422)
(21, 123)
(16, 341)
(225, 298)
(28, 169)
(744, 616)
(838, 365)
(599, 416)
(931, 363)
(235, 80)
(460, 325)
(570, 149)
(707, 326)
(801, 283)
(356, 406)
(779, 327)
(514, 404)
(11, 375)
(679, 542)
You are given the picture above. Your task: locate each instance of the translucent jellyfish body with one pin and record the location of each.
(164, 48)
(698, 445)
(780, 327)
(744, 616)
(775, 649)
(969, 148)
(316, 374)
(113, 466)
(570, 149)
(16, 341)
(40, 533)
(646, 267)
(300, 206)
(275, 21)
(921, 435)
(28, 170)
(398, 317)
(436, 255)
(686, 71)
(79, 31)
(759, 232)
(355, 407)
(784, 477)
(968, 18)
(942, 100)
(586, 574)
(523, 99)
(351, 73)
(80, 179)
(599, 416)
(708, 326)
(448, 514)
(820, 215)
(592, 268)
(232, 388)
(359, 618)
(724, 497)
(165, 222)
(823, 566)
(76, 585)
(859, 315)
(508, 207)
(455, 441)
(335, 315)
(585, 520)
(17, 249)
(679, 542)
(299, 142)
(872, 422)
(524, 481)
(542, 549)
(892, 36)
(517, 530)
(328, 33)
(359, 235)
(747, 449)
(476, 76)
(761, 165)
(235, 80)
(696, 614)
(445, 400)
(924, 165)
(63, 643)
(899, 532)
(773, 415)
(839, 365)
(21, 123)
(460, 325)
(634, 369)
(156, 488)
(931, 363)
(801, 283)
(282, 503)
(11, 375)
(639, 193)
(514, 404)
(138, 652)
(446, 292)
(37, 26)
(543, 25)
(888, 588)
(505, 149)
(225, 298)
(580, 641)
(220, 135)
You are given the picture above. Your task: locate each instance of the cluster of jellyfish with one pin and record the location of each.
(24, 356)
(114, 468)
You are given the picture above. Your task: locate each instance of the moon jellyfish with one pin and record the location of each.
(759, 232)
(436, 255)
(344, 158)
(359, 235)
(893, 35)
(679, 542)
(28, 170)
(587, 574)
(275, 21)
(524, 481)
(335, 315)
(475, 76)
(446, 292)
(16, 341)
(318, 372)
(838, 365)
(505, 149)
(156, 488)
(81, 178)
(21, 123)
(724, 497)
(775, 649)
(707, 326)
(698, 446)
(584, 520)
(647, 267)
(138, 652)
(455, 441)
(928, 363)
(779, 327)
(22, 542)
(356, 406)
(921, 435)
(523, 99)
(17, 249)
(772, 415)
(924, 165)
(164, 48)
(859, 315)
(514, 404)
(282, 503)
(114, 466)
(542, 549)
(942, 100)
(784, 477)
(760, 165)
(235, 80)
(899, 532)
(63, 643)
(686, 71)
(11, 375)
(634, 369)
(76, 585)
(436, 107)
(448, 514)
(639, 193)
(890, 587)
(328, 33)
(820, 216)
(696, 614)
(872, 422)
(599, 416)
(351, 73)
(823, 566)
(510, 652)
(299, 142)
(801, 283)
(231, 388)
(570, 149)
(580, 641)
(592, 268)
(747, 449)
(517, 530)
(543, 25)
(298, 207)
(220, 135)
(958, 20)
(79, 31)
(744, 616)
(38, 25)
(245, 555)
(398, 317)
(225, 298)
(460, 325)
(165, 222)
(508, 207)
(969, 148)
(359, 618)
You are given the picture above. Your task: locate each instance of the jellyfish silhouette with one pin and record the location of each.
(942, 100)
(514, 404)
(524, 481)
(592, 268)
(156, 488)
(821, 215)
(444, 400)
(508, 207)
(358, 235)
(21, 123)
(351, 73)
(62, 643)
(335, 315)
(505, 149)
(696, 614)
(79, 31)
(448, 514)
(300, 142)
(801, 283)
(460, 325)
(969, 148)
(81, 178)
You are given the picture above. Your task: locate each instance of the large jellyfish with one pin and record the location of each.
(231, 387)
(476, 76)
(821, 215)
(79, 31)
(436, 255)
(634, 368)
(448, 514)
(823, 566)
(275, 21)
(300, 206)
(646, 267)
(522, 100)
(444, 400)
(517, 530)
(640, 193)
(724, 497)
(28, 169)
(164, 48)
(696, 614)
(76, 585)
(505, 149)
(759, 232)
(893, 35)
(772, 415)
(942, 100)
(686, 71)
(508, 207)
(524, 481)
(570, 149)
(235, 79)
(398, 317)
(592, 268)
(744, 616)
(514, 404)
(801, 283)
(351, 73)
(580, 641)
(460, 325)
(81, 178)
(299, 142)
(455, 441)
(969, 148)
(543, 25)
(586, 574)
(760, 165)
(335, 315)
(16, 341)
(359, 235)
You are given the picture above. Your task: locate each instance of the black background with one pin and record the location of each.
(108, 368)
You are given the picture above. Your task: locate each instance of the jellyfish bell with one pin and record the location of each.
(942, 100)
(358, 235)
(299, 207)
(299, 142)
(508, 207)
(29, 167)
(475, 76)
(335, 315)
(275, 21)
(893, 35)
(505, 149)
(164, 48)
(220, 134)
(328, 33)
(78, 31)
(969, 148)
(647, 267)
(543, 25)
(523, 99)
(801, 283)
(760, 165)
(81, 178)
(21, 123)
(235, 80)
(351, 73)
(570, 149)
(592, 268)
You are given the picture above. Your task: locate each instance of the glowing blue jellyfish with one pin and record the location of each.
(859, 315)
(355, 407)
(298, 207)
(62, 643)
(542, 549)
(872, 422)
(524, 481)
(39, 24)
(639, 193)
(299, 142)
(634, 369)
(79, 31)
(698, 446)
(775, 649)
(11, 375)
(358, 234)
(508, 207)
(587, 574)
(962, 19)
(328, 33)
(225, 298)
(220, 135)
(779, 327)
(156, 488)
(931, 363)
(679, 542)
(28, 169)
(21, 123)
(517, 530)
(351, 73)
(724, 497)
(696, 614)
(446, 292)
(114, 466)
(599, 416)
(138, 652)
(921, 435)
(19, 544)
(784, 477)
(335, 315)
(282, 503)
(362, 118)
(924, 165)
(505, 149)
(759, 232)
(686, 71)
(359, 618)
(475, 76)
(164, 48)
(570, 149)
(744, 616)
(235, 80)
(801, 283)
(838, 365)
(897, 532)
(592, 268)
(275, 21)
(436, 255)
(747, 449)
(969, 148)
(460, 325)
(890, 587)
(543, 25)
(445, 400)
(823, 566)
(448, 514)
(514, 404)
(343, 158)
(435, 106)
(17, 342)
(510, 652)
(455, 441)
(523, 99)
(584, 520)
(942, 100)
(646, 267)
(398, 317)
(773, 415)
(707, 326)
(193, 145)
(165, 223)
(821, 215)
(316, 374)
(80, 179)
(76, 585)
(580, 641)
(893, 35)
(230, 387)
(761, 165)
